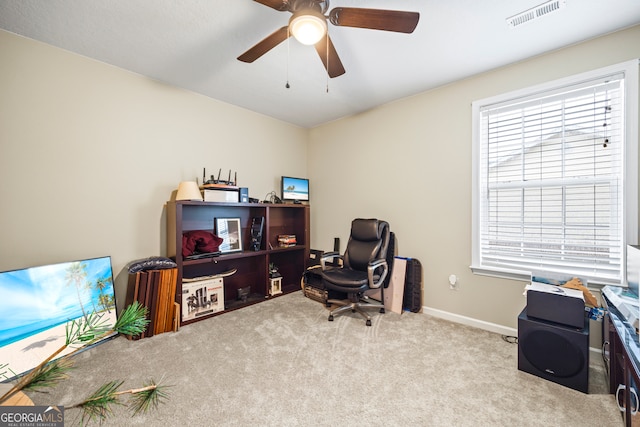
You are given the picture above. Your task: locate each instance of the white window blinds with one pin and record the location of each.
(551, 178)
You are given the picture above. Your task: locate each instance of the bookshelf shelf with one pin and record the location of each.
(252, 266)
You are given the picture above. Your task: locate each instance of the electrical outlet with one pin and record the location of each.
(453, 282)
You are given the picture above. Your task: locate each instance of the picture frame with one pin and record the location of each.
(230, 231)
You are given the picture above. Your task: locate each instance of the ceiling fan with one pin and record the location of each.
(308, 24)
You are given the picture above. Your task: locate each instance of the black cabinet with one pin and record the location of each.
(621, 353)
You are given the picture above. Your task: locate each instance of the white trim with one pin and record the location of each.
(481, 324)
(631, 134)
(502, 273)
(625, 67)
(595, 351)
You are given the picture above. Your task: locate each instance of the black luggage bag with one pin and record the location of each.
(412, 299)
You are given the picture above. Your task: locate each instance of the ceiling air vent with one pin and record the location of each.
(535, 12)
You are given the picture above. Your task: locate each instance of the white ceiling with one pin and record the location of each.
(194, 44)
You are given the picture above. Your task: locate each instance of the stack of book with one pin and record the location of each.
(286, 240)
(156, 290)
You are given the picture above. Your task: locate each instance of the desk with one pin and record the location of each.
(621, 353)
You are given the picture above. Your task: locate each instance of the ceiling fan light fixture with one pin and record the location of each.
(308, 27)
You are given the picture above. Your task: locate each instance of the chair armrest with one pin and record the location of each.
(329, 256)
(373, 267)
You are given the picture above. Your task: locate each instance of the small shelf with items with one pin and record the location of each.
(250, 281)
(289, 262)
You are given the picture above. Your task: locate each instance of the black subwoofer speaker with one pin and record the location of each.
(554, 352)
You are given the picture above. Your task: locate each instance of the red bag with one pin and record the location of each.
(199, 241)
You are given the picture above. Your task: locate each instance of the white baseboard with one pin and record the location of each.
(481, 324)
(469, 321)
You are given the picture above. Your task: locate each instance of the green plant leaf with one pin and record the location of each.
(98, 406)
(133, 320)
(50, 375)
(150, 396)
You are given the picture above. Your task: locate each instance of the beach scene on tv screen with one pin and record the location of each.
(39, 302)
(295, 189)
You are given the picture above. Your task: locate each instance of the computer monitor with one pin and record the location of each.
(294, 189)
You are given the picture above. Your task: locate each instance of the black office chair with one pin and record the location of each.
(365, 265)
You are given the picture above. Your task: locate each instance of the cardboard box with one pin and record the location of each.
(202, 298)
(394, 293)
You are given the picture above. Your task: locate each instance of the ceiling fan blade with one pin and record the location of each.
(264, 46)
(329, 56)
(375, 19)
(280, 5)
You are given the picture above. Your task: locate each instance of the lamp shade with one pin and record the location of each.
(308, 27)
(188, 190)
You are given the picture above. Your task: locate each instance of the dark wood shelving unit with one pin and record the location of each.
(252, 266)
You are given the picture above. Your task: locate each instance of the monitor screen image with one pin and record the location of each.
(38, 302)
(295, 189)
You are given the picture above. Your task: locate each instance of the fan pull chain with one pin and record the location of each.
(327, 53)
(288, 41)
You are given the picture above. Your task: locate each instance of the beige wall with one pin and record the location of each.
(89, 154)
(410, 162)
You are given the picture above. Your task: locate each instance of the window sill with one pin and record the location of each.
(526, 276)
(501, 273)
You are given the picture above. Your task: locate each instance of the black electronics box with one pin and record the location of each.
(554, 352)
(312, 286)
(556, 307)
(243, 195)
(314, 257)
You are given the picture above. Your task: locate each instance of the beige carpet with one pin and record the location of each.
(282, 363)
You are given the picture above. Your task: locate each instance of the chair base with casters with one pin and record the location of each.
(356, 306)
(363, 266)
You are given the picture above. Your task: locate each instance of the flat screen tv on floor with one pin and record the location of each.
(295, 189)
(37, 303)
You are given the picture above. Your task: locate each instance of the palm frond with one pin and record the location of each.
(133, 320)
(98, 406)
(150, 396)
(84, 330)
(6, 372)
(79, 334)
(50, 375)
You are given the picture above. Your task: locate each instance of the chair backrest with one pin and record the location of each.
(369, 240)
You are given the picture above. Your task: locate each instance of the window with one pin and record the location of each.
(555, 177)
